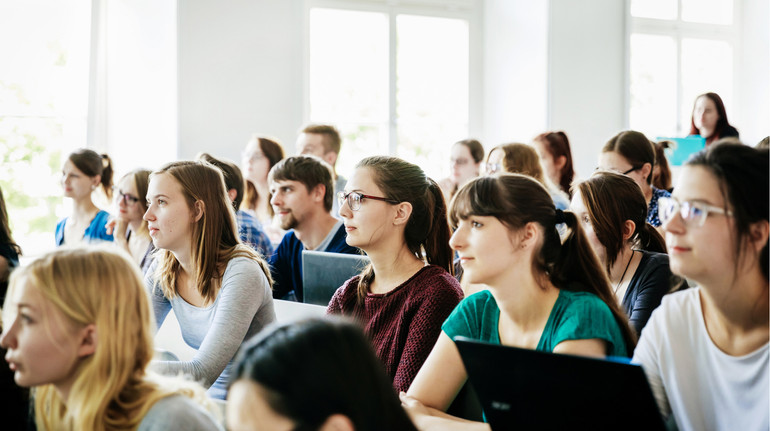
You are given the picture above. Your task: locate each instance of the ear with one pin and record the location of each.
(232, 194)
(628, 229)
(88, 340)
(318, 193)
(529, 235)
(646, 170)
(96, 180)
(559, 162)
(198, 209)
(337, 422)
(758, 233)
(403, 211)
(330, 157)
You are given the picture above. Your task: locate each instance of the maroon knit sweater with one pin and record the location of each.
(404, 323)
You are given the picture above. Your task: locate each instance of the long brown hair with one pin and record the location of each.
(215, 237)
(273, 150)
(557, 144)
(572, 265)
(5, 228)
(611, 199)
(427, 229)
(661, 178)
(722, 123)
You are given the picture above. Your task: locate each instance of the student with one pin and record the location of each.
(9, 250)
(612, 211)
(465, 164)
(523, 159)
(709, 119)
(397, 215)
(83, 171)
(556, 157)
(218, 288)
(705, 350)
(341, 387)
(78, 329)
(661, 172)
(302, 200)
(249, 228)
(129, 227)
(631, 153)
(259, 156)
(542, 295)
(324, 142)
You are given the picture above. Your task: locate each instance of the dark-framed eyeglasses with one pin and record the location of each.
(354, 199)
(127, 198)
(693, 213)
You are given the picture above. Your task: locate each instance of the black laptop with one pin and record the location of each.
(323, 273)
(526, 389)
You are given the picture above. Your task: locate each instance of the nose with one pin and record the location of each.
(457, 241)
(675, 225)
(149, 215)
(345, 211)
(8, 338)
(275, 200)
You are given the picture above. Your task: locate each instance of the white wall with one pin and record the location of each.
(240, 72)
(752, 92)
(587, 75)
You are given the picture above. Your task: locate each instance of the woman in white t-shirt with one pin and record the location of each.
(705, 350)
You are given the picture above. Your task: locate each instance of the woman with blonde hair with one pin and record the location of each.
(523, 159)
(219, 288)
(78, 327)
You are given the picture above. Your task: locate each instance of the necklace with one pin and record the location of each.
(624, 273)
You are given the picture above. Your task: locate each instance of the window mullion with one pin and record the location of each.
(392, 83)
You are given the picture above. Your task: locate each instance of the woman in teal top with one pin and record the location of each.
(543, 294)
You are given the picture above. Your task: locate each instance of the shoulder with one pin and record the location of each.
(102, 215)
(660, 193)
(178, 412)
(477, 302)
(243, 266)
(434, 279)
(679, 306)
(653, 262)
(344, 296)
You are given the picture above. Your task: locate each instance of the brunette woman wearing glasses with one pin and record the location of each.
(705, 350)
(129, 228)
(397, 215)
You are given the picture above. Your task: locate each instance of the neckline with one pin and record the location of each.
(400, 286)
(547, 322)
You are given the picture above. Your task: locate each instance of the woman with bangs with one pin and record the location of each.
(78, 328)
(219, 288)
(543, 294)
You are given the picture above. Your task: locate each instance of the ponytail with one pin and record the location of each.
(650, 239)
(92, 164)
(107, 174)
(436, 244)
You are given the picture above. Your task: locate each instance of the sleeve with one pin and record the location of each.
(647, 355)
(651, 288)
(335, 304)
(59, 234)
(160, 304)
(587, 318)
(178, 412)
(280, 268)
(424, 330)
(244, 290)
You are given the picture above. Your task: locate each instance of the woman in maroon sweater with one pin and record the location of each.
(397, 215)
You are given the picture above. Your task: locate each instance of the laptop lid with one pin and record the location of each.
(529, 389)
(683, 148)
(323, 273)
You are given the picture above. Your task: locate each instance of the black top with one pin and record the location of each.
(650, 282)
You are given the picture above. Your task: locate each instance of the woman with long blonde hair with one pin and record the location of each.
(219, 288)
(78, 327)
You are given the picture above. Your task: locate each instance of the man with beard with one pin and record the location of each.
(303, 192)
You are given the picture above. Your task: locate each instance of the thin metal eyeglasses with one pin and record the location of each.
(633, 168)
(693, 213)
(354, 199)
(125, 197)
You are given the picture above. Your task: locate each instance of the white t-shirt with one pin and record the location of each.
(702, 386)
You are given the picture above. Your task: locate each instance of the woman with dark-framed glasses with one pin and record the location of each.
(705, 350)
(397, 215)
(631, 153)
(128, 227)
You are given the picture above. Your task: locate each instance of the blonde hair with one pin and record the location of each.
(215, 237)
(112, 389)
(521, 159)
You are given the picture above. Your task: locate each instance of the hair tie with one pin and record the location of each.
(559, 219)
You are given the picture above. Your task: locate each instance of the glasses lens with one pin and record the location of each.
(355, 201)
(340, 199)
(666, 209)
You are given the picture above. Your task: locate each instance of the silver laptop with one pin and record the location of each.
(323, 273)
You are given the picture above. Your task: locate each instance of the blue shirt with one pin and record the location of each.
(95, 232)
(251, 233)
(652, 208)
(286, 262)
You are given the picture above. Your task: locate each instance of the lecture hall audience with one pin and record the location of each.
(465, 160)
(397, 215)
(709, 119)
(556, 156)
(259, 156)
(324, 142)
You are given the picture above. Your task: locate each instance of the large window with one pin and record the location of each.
(394, 81)
(678, 49)
(44, 46)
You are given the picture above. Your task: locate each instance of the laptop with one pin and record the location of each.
(323, 273)
(683, 148)
(528, 389)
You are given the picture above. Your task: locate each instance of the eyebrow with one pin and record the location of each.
(159, 196)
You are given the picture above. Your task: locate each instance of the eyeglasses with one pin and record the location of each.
(493, 167)
(354, 199)
(125, 197)
(252, 156)
(693, 213)
(633, 168)
(459, 162)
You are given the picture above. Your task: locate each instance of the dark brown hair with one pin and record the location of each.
(557, 145)
(141, 179)
(722, 124)
(273, 150)
(232, 174)
(308, 170)
(661, 178)
(5, 228)
(634, 147)
(427, 229)
(572, 265)
(611, 199)
(474, 147)
(92, 164)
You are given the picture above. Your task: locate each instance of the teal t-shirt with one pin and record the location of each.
(574, 316)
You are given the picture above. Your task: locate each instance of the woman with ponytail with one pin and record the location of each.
(78, 327)
(543, 295)
(82, 173)
(611, 208)
(397, 215)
